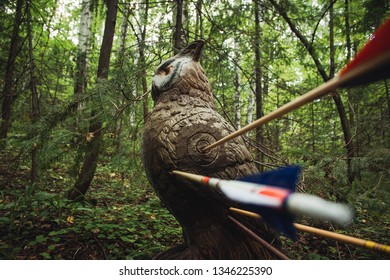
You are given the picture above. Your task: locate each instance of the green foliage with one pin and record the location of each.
(118, 221)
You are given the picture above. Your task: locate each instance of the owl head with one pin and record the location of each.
(182, 67)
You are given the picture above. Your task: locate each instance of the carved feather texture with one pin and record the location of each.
(183, 121)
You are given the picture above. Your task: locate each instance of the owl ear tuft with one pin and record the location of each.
(155, 92)
(193, 50)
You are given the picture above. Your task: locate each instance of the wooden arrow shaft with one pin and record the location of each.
(345, 238)
(259, 239)
(328, 234)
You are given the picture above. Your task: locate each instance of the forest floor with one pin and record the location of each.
(122, 218)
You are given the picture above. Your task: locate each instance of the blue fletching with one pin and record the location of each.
(284, 177)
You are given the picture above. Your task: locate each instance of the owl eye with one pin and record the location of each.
(167, 70)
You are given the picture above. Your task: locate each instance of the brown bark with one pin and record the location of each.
(178, 34)
(95, 129)
(8, 92)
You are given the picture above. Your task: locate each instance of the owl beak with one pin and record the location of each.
(193, 50)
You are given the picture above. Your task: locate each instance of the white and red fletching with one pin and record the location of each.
(251, 193)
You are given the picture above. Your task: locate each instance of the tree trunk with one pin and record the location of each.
(178, 34)
(199, 20)
(349, 144)
(387, 98)
(348, 47)
(34, 96)
(122, 38)
(250, 111)
(8, 92)
(143, 60)
(258, 87)
(332, 66)
(237, 84)
(120, 62)
(94, 138)
(83, 47)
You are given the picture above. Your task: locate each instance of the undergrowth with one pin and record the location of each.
(122, 218)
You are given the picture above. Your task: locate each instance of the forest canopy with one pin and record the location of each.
(75, 81)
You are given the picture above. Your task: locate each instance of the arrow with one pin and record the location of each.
(272, 194)
(371, 64)
(328, 234)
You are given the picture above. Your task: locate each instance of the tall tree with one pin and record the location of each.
(258, 86)
(95, 134)
(8, 91)
(34, 93)
(348, 47)
(123, 35)
(199, 20)
(83, 47)
(140, 33)
(142, 43)
(178, 33)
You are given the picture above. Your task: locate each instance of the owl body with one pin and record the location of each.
(182, 123)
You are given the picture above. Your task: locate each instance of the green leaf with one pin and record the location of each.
(40, 239)
(46, 256)
(126, 239)
(58, 232)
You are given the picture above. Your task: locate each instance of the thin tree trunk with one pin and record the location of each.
(258, 86)
(250, 111)
(123, 36)
(313, 141)
(95, 129)
(349, 144)
(199, 20)
(387, 97)
(178, 34)
(120, 63)
(332, 65)
(186, 22)
(143, 60)
(83, 47)
(237, 84)
(352, 101)
(34, 95)
(348, 46)
(8, 92)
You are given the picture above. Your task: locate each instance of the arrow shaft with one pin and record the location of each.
(328, 234)
(345, 238)
(259, 239)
